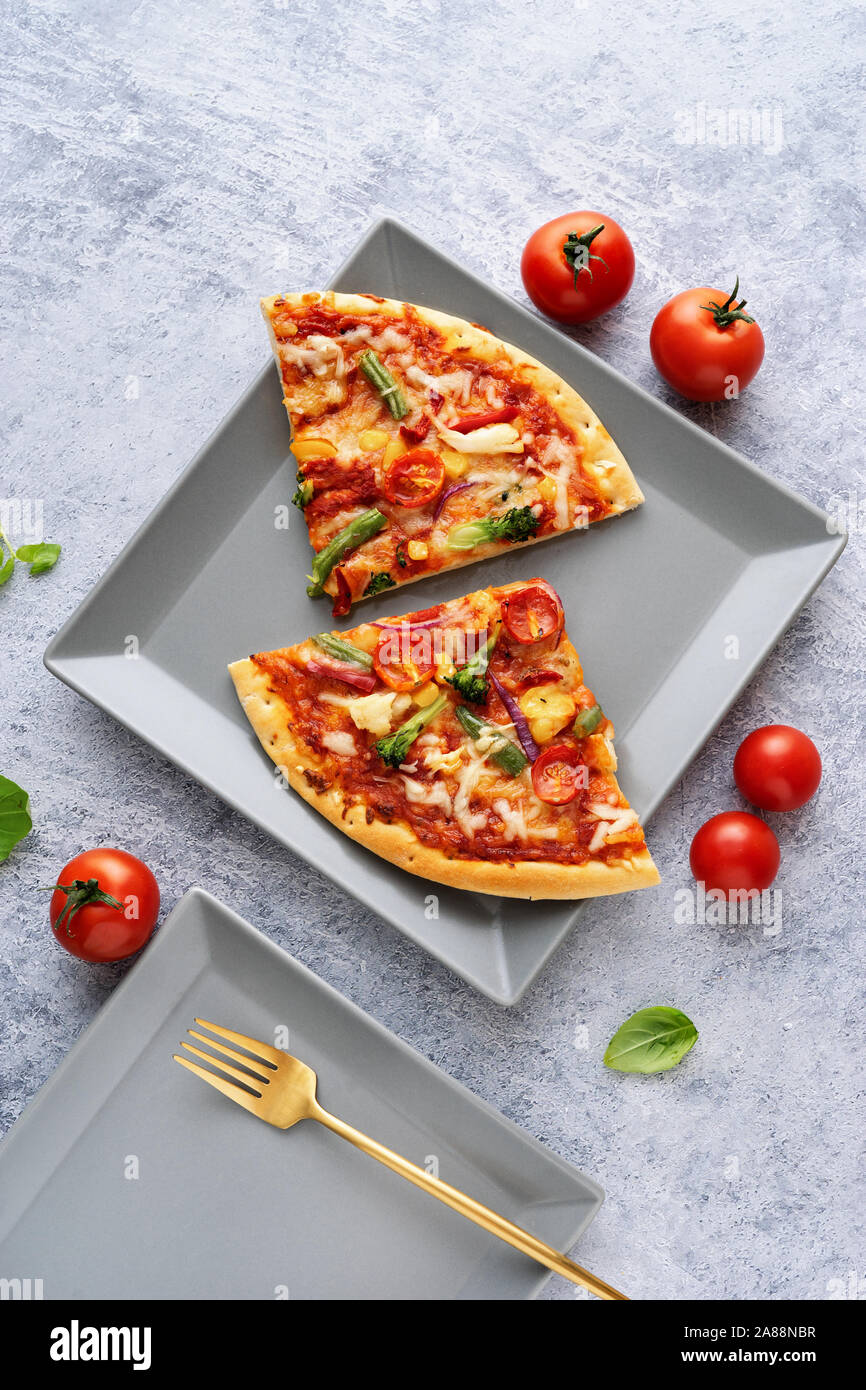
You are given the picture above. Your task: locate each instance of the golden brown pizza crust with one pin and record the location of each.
(617, 482)
(398, 844)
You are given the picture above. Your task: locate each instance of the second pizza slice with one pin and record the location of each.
(423, 442)
(460, 743)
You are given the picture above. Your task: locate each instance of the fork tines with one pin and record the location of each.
(250, 1073)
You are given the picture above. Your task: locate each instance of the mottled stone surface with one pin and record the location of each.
(167, 163)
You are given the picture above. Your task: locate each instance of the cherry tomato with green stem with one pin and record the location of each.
(578, 266)
(105, 905)
(704, 346)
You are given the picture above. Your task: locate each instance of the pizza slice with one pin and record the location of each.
(459, 742)
(424, 443)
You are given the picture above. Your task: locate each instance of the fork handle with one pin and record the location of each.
(468, 1207)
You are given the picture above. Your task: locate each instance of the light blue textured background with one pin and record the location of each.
(166, 164)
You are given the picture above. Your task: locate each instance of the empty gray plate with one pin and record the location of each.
(129, 1178)
(718, 550)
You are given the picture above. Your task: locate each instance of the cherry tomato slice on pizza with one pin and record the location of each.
(415, 478)
(532, 614)
(403, 664)
(558, 774)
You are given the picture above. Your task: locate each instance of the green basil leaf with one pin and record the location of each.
(6, 567)
(15, 820)
(41, 557)
(651, 1040)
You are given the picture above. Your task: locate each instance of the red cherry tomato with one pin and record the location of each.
(735, 851)
(577, 266)
(403, 660)
(532, 613)
(558, 774)
(777, 768)
(415, 478)
(89, 926)
(703, 353)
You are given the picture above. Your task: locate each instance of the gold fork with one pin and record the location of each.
(282, 1090)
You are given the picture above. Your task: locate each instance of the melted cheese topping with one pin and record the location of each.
(371, 712)
(489, 388)
(603, 810)
(492, 481)
(556, 452)
(558, 457)
(361, 334)
(467, 781)
(392, 340)
(608, 827)
(443, 760)
(522, 820)
(338, 741)
(519, 822)
(560, 506)
(457, 384)
(488, 439)
(324, 359)
(602, 469)
(428, 793)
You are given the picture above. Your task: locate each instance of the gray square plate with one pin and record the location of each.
(718, 549)
(224, 1206)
